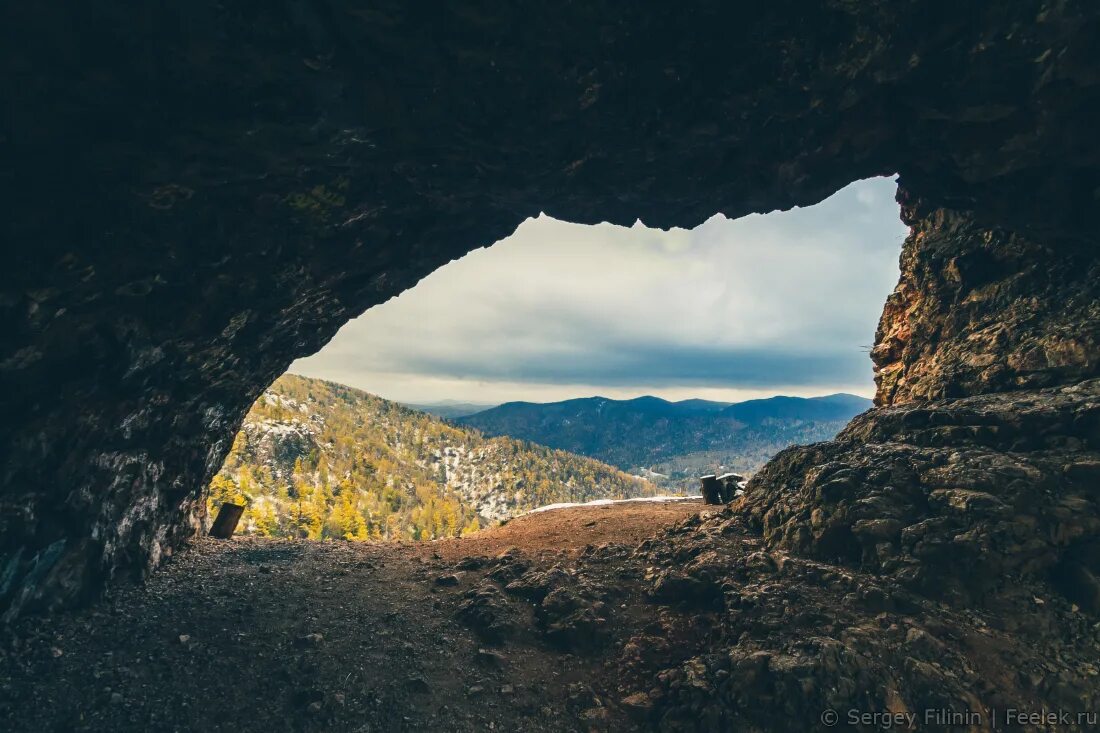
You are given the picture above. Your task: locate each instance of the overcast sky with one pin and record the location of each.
(781, 303)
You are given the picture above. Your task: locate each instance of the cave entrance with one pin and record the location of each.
(650, 357)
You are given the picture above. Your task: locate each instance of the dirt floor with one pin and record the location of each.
(267, 635)
(567, 530)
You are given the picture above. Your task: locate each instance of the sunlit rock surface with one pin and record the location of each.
(985, 310)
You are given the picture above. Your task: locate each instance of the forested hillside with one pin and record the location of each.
(320, 460)
(674, 442)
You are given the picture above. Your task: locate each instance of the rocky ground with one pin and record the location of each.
(933, 568)
(267, 635)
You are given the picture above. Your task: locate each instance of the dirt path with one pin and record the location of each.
(263, 635)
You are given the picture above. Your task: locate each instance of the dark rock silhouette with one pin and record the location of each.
(198, 195)
(711, 489)
(226, 521)
(731, 483)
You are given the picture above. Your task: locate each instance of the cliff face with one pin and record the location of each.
(985, 310)
(197, 195)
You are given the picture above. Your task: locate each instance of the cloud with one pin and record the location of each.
(784, 300)
(623, 365)
(868, 196)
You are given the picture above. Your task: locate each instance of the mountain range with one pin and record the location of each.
(673, 442)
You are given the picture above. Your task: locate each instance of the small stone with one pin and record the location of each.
(310, 640)
(451, 579)
(338, 698)
(55, 652)
(418, 685)
(507, 689)
(490, 658)
(472, 563)
(1083, 471)
(116, 698)
(474, 690)
(184, 638)
(314, 708)
(638, 705)
(595, 715)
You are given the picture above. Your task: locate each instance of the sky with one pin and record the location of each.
(779, 303)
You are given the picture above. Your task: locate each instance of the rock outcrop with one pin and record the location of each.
(197, 195)
(950, 499)
(789, 641)
(982, 310)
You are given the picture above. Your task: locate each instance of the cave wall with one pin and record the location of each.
(198, 194)
(981, 310)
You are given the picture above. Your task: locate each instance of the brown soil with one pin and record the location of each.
(225, 637)
(568, 530)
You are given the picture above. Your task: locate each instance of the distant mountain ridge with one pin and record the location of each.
(646, 403)
(450, 409)
(840, 406)
(679, 439)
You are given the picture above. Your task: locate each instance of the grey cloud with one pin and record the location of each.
(789, 298)
(658, 365)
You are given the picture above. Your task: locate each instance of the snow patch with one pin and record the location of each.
(606, 502)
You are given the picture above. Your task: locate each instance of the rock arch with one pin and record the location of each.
(199, 194)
